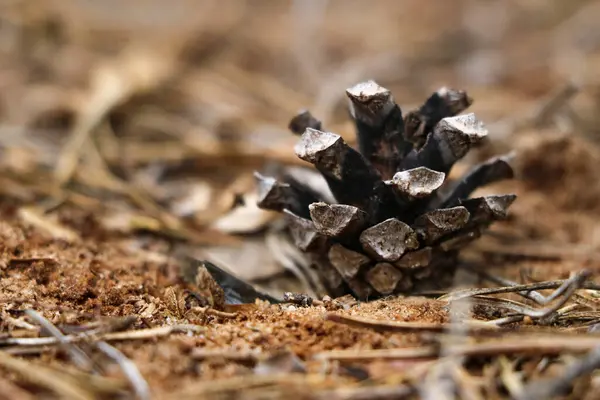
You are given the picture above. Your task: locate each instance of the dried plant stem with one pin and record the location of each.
(44, 377)
(9, 390)
(544, 389)
(141, 334)
(380, 392)
(519, 288)
(77, 355)
(394, 326)
(212, 389)
(220, 314)
(529, 344)
(137, 381)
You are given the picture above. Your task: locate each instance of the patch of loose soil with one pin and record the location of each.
(78, 283)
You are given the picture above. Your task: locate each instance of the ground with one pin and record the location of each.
(129, 147)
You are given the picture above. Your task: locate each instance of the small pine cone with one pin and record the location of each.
(398, 224)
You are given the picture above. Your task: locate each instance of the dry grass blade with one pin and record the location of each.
(554, 103)
(394, 326)
(77, 355)
(525, 344)
(112, 83)
(234, 386)
(45, 378)
(379, 354)
(138, 383)
(140, 334)
(562, 286)
(36, 218)
(566, 289)
(9, 390)
(510, 378)
(128, 141)
(548, 388)
(387, 392)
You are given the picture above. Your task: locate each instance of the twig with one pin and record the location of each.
(201, 353)
(380, 354)
(543, 389)
(9, 390)
(44, 377)
(77, 355)
(554, 103)
(392, 392)
(562, 285)
(516, 344)
(140, 334)
(213, 388)
(395, 326)
(467, 387)
(506, 320)
(221, 314)
(138, 383)
(511, 380)
(526, 293)
(566, 290)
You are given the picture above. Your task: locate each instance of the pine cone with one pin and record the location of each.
(398, 224)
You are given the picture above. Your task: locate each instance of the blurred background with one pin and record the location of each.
(151, 116)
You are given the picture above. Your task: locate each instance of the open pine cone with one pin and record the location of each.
(398, 224)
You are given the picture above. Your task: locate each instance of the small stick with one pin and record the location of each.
(44, 377)
(506, 320)
(77, 355)
(553, 103)
(523, 288)
(220, 314)
(544, 389)
(380, 354)
(394, 326)
(150, 333)
(566, 290)
(137, 381)
(10, 390)
(520, 344)
(378, 392)
(494, 302)
(528, 294)
(140, 334)
(250, 357)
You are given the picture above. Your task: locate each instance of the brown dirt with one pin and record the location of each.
(77, 283)
(90, 280)
(189, 108)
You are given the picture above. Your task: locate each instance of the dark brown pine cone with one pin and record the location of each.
(397, 224)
